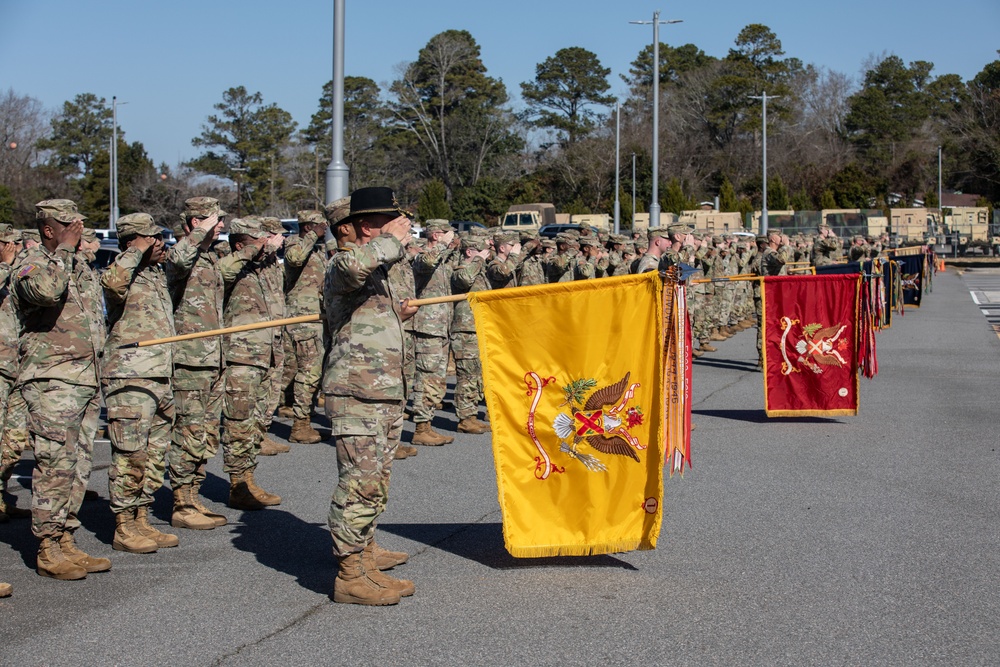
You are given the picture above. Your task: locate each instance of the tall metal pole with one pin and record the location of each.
(633, 192)
(114, 162)
(940, 203)
(337, 172)
(654, 206)
(618, 168)
(763, 212)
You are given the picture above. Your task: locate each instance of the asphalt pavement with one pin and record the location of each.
(869, 540)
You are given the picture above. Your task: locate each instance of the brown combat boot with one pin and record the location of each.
(77, 556)
(52, 562)
(269, 447)
(424, 434)
(716, 336)
(400, 454)
(385, 559)
(127, 535)
(162, 540)
(303, 432)
(406, 450)
(260, 494)
(473, 425)
(196, 503)
(286, 412)
(10, 510)
(353, 584)
(6, 590)
(707, 347)
(404, 587)
(695, 352)
(240, 497)
(185, 514)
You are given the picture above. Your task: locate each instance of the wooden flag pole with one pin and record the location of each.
(430, 301)
(222, 332)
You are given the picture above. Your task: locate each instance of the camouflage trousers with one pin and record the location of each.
(62, 421)
(700, 326)
(366, 434)
(759, 313)
(265, 410)
(13, 428)
(195, 438)
(431, 375)
(469, 375)
(307, 372)
(409, 362)
(248, 392)
(140, 418)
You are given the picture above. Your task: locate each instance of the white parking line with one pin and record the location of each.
(974, 298)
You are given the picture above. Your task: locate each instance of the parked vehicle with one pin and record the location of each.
(550, 231)
(466, 225)
(528, 216)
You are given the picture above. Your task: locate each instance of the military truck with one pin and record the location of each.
(528, 216)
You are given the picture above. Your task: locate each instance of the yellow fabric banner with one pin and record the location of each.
(573, 383)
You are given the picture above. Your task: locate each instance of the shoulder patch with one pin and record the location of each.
(28, 268)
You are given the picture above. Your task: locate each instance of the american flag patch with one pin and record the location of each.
(28, 268)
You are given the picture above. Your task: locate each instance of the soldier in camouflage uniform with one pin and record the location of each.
(501, 271)
(826, 247)
(16, 419)
(305, 269)
(432, 270)
(196, 290)
(770, 262)
(273, 279)
(533, 268)
(137, 389)
(58, 303)
(250, 358)
(469, 276)
(365, 393)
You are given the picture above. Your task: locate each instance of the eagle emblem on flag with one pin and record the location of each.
(818, 346)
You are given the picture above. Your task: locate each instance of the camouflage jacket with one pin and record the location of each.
(616, 265)
(402, 284)
(139, 308)
(825, 250)
(470, 276)
(562, 264)
(503, 272)
(60, 316)
(647, 263)
(532, 271)
(305, 270)
(8, 326)
(249, 298)
(432, 271)
(197, 291)
(366, 353)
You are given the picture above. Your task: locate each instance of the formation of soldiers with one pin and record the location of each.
(169, 407)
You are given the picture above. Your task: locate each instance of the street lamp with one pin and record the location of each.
(337, 172)
(654, 207)
(114, 161)
(618, 168)
(764, 97)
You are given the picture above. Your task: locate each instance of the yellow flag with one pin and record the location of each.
(573, 383)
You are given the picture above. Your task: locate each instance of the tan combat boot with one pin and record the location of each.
(405, 451)
(75, 555)
(127, 536)
(286, 412)
(240, 497)
(196, 503)
(260, 494)
(695, 352)
(404, 587)
(6, 590)
(385, 559)
(269, 447)
(705, 346)
(426, 436)
(52, 562)
(185, 514)
(303, 432)
(400, 454)
(162, 540)
(353, 585)
(473, 425)
(716, 336)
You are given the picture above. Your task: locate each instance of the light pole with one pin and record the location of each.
(633, 193)
(114, 161)
(654, 206)
(337, 172)
(763, 209)
(618, 168)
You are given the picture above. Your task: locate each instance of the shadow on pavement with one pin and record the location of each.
(283, 542)
(749, 366)
(760, 417)
(483, 543)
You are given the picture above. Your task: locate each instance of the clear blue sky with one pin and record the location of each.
(171, 60)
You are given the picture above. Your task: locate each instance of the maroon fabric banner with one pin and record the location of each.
(810, 345)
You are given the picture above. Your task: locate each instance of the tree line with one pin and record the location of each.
(447, 137)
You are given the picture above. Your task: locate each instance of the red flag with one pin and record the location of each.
(810, 345)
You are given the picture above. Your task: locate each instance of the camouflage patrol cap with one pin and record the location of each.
(591, 241)
(528, 235)
(438, 225)
(548, 243)
(202, 207)
(337, 210)
(88, 235)
(822, 226)
(8, 234)
(679, 229)
(272, 225)
(137, 224)
(718, 240)
(31, 235)
(658, 233)
(249, 227)
(331, 245)
(479, 231)
(475, 242)
(618, 239)
(60, 210)
(312, 217)
(505, 237)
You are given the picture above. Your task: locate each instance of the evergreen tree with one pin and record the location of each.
(433, 202)
(566, 85)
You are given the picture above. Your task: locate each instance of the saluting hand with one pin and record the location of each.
(398, 227)
(70, 234)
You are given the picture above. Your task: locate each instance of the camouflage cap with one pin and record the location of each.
(202, 207)
(658, 233)
(438, 225)
(618, 239)
(31, 235)
(88, 235)
(337, 210)
(718, 240)
(8, 234)
(548, 243)
(137, 224)
(479, 231)
(331, 245)
(506, 237)
(679, 229)
(61, 210)
(475, 242)
(822, 226)
(272, 225)
(312, 217)
(248, 226)
(591, 241)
